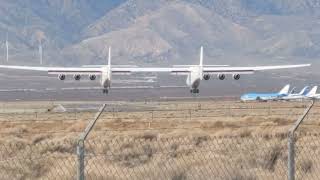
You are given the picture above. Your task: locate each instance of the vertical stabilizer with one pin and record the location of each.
(109, 57)
(285, 89)
(304, 91)
(293, 90)
(201, 56)
(313, 91)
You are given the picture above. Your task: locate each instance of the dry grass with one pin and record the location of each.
(133, 143)
(305, 166)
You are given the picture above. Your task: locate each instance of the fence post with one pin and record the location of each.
(291, 143)
(81, 147)
(291, 163)
(152, 115)
(80, 155)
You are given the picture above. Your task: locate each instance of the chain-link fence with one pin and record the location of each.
(38, 159)
(153, 157)
(186, 158)
(166, 155)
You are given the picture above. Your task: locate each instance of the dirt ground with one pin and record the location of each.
(155, 140)
(167, 118)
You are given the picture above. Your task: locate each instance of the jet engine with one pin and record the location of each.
(236, 76)
(221, 76)
(92, 77)
(206, 77)
(77, 77)
(62, 77)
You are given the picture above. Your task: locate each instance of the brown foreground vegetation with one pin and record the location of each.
(157, 140)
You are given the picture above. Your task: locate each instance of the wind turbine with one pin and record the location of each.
(40, 36)
(7, 48)
(40, 52)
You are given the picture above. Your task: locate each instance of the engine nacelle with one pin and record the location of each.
(62, 77)
(77, 77)
(236, 76)
(221, 76)
(92, 77)
(206, 77)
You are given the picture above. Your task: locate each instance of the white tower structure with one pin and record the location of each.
(40, 52)
(7, 48)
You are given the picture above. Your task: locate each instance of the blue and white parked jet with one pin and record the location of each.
(313, 93)
(304, 93)
(266, 96)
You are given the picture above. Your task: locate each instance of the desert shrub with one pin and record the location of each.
(271, 158)
(132, 156)
(200, 139)
(181, 175)
(28, 168)
(218, 124)
(241, 176)
(58, 147)
(39, 138)
(306, 165)
(173, 150)
(148, 136)
(243, 133)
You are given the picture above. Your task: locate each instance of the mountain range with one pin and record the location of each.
(161, 32)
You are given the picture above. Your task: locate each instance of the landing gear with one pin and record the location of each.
(105, 91)
(194, 91)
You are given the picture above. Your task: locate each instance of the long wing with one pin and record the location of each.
(248, 70)
(174, 70)
(56, 70)
(208, 69)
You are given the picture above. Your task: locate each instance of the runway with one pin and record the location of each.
(35, 86)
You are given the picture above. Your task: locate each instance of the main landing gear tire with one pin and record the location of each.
(194, 91)
(105, 91)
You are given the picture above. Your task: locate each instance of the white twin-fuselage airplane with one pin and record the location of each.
(194, 73)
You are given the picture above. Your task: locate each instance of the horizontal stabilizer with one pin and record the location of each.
(203, 65)
(97, 66)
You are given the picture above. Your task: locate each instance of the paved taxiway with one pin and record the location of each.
(26, 86)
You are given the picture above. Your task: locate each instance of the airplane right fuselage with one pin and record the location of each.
(106, 78)
(194, 77)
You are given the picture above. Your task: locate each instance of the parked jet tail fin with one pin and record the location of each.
(293, 90)
(313, 91)
(285, 89)
(109, 57)
(304, 91)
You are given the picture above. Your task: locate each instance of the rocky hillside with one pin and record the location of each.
(161, 31)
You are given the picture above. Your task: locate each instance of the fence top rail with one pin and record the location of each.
(121, 109)
(299, 121)
(91, 124)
